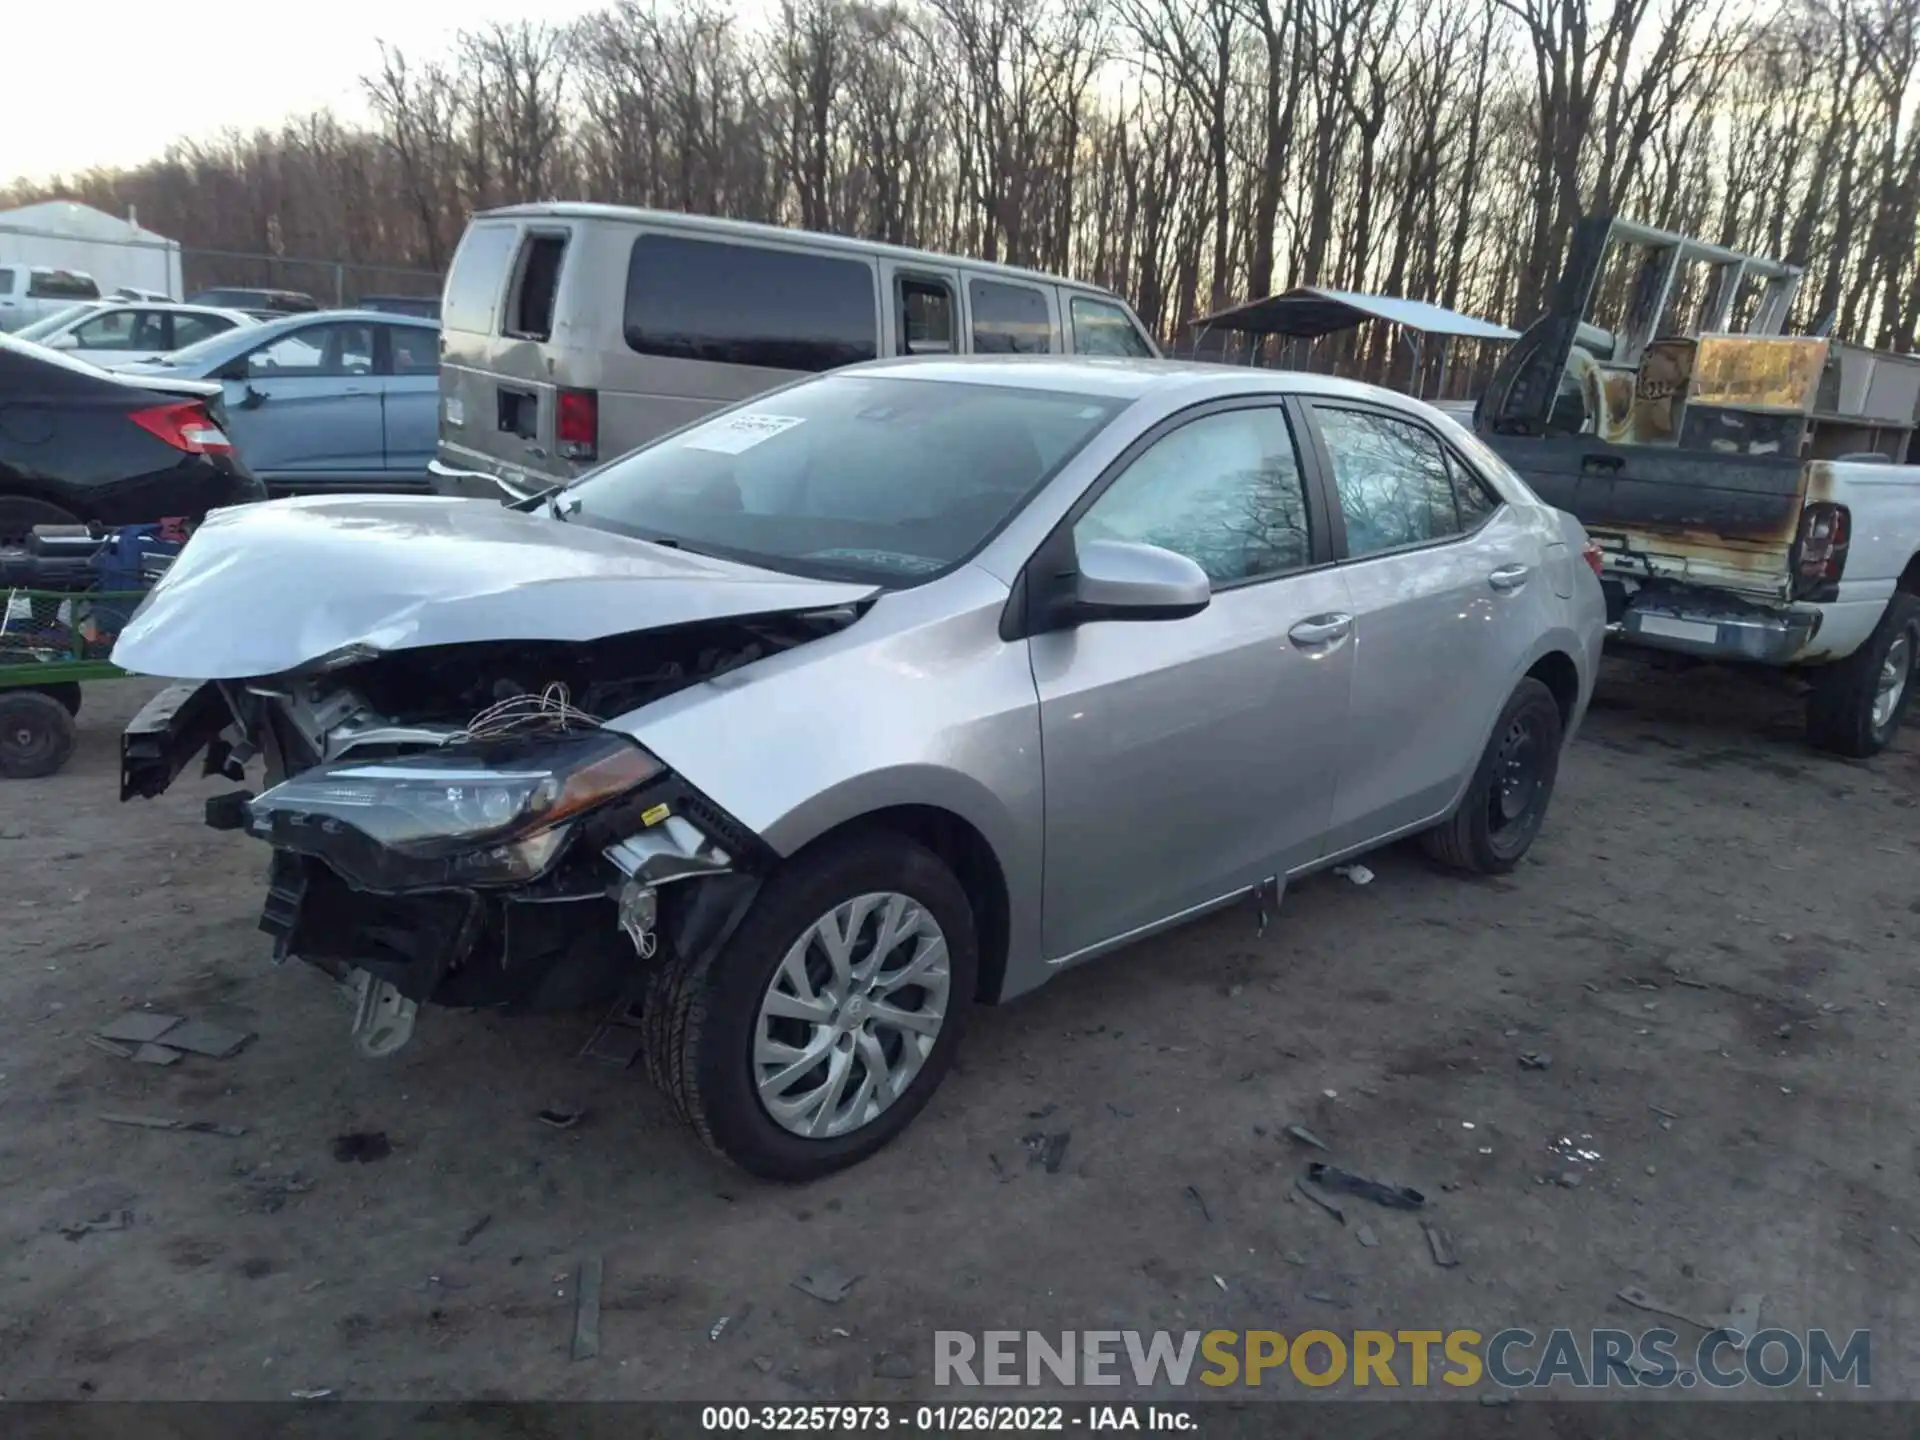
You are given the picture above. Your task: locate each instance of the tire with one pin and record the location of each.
(36, 734)
(1841, 709)
(20, 513)
(703, 1018)
(67, 692)
(1495, 824)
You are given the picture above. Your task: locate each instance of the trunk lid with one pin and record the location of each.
(264, 589)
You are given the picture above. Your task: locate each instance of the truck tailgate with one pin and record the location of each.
(1686, 516)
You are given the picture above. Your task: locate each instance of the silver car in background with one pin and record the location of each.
(818, 722)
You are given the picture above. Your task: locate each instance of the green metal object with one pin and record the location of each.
(50, 637)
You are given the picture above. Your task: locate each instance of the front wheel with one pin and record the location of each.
(823, 1026)
(1496, 822)
(1857, 704)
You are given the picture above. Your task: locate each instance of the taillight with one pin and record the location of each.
(1820, 553)
(1591, 553)
(185, 425)
(576, 424)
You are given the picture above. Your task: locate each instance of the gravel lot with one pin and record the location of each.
(1693, 840)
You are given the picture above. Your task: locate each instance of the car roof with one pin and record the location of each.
(720, 226)
(1124, 378)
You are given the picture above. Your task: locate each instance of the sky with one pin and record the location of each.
(90, 82)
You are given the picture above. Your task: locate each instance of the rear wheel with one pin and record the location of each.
(817, 1033)
(1496, 822)
(20, 513)
(1857, 704)
(36, 734)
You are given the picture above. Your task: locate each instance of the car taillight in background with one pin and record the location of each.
(576, 424)
(185, 425)
(1591, 553)
(1820, 552)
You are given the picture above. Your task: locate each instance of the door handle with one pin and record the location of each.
(1319, 631)
(355, 390)
(1509, 578)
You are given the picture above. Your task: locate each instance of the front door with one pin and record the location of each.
(410, 396)
(1444, 581)
(1187, 759)
(309, 403)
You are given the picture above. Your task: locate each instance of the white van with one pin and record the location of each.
(33, 292)
(572, 333)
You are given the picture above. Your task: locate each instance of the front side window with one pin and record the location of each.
(730, 304)
(315, 352)
(877, 479)
(1393, 477)
(1225, 491)
(1101, 328)
(112, 331)
(926, 317)
(1009, 319)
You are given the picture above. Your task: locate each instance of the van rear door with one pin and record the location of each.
(498, 405)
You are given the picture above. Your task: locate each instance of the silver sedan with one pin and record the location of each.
(801, 732)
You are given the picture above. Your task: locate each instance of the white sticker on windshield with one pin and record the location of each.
(741, 432)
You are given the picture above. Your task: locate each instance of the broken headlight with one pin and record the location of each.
(493, 815)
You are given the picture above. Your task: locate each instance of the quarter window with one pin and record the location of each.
(749, 304)
(1224, 490)
(1009, 319)
(1100, 328)
(1395, 482)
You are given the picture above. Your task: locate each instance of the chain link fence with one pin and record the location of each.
(333, 283)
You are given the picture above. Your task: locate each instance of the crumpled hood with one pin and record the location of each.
(262, 589)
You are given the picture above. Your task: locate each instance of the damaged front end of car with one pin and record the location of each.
(449, 826)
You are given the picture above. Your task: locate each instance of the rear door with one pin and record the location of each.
(1449, 590)
(308, 403)
(410, 395)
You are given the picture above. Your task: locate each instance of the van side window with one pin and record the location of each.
(6, 281)
(478, 276)
(1009, 319)
(749, 304)
(531, 313)
(926, 317)
(1100, 328)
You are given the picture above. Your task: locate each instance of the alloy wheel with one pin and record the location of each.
(851, 1014)
(1895, 671)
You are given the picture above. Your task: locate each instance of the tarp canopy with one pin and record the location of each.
(1308, 311)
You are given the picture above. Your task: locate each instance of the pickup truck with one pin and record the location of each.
(1696, 465)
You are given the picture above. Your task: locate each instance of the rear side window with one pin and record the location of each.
(1100, 328)
(60, 285)
(1393, 478)
(6, 281)
(537, 280)
(192, 329)
(1009, 319)
(415, 351)
(749, 305)
(478, 276)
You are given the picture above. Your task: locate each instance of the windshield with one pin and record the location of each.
(875, 479)
(55, 322)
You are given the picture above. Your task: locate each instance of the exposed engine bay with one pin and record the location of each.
(454, 824)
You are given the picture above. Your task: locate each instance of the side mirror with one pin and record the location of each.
(250, 399)
(1119, 580)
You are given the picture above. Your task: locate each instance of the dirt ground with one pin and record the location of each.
(1693, 839)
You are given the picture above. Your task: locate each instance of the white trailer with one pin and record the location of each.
(67, 236)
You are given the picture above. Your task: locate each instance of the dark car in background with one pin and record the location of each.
(425, 307)
(257, 302)
(79, 444)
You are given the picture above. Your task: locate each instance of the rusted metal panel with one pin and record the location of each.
(1758, 372)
